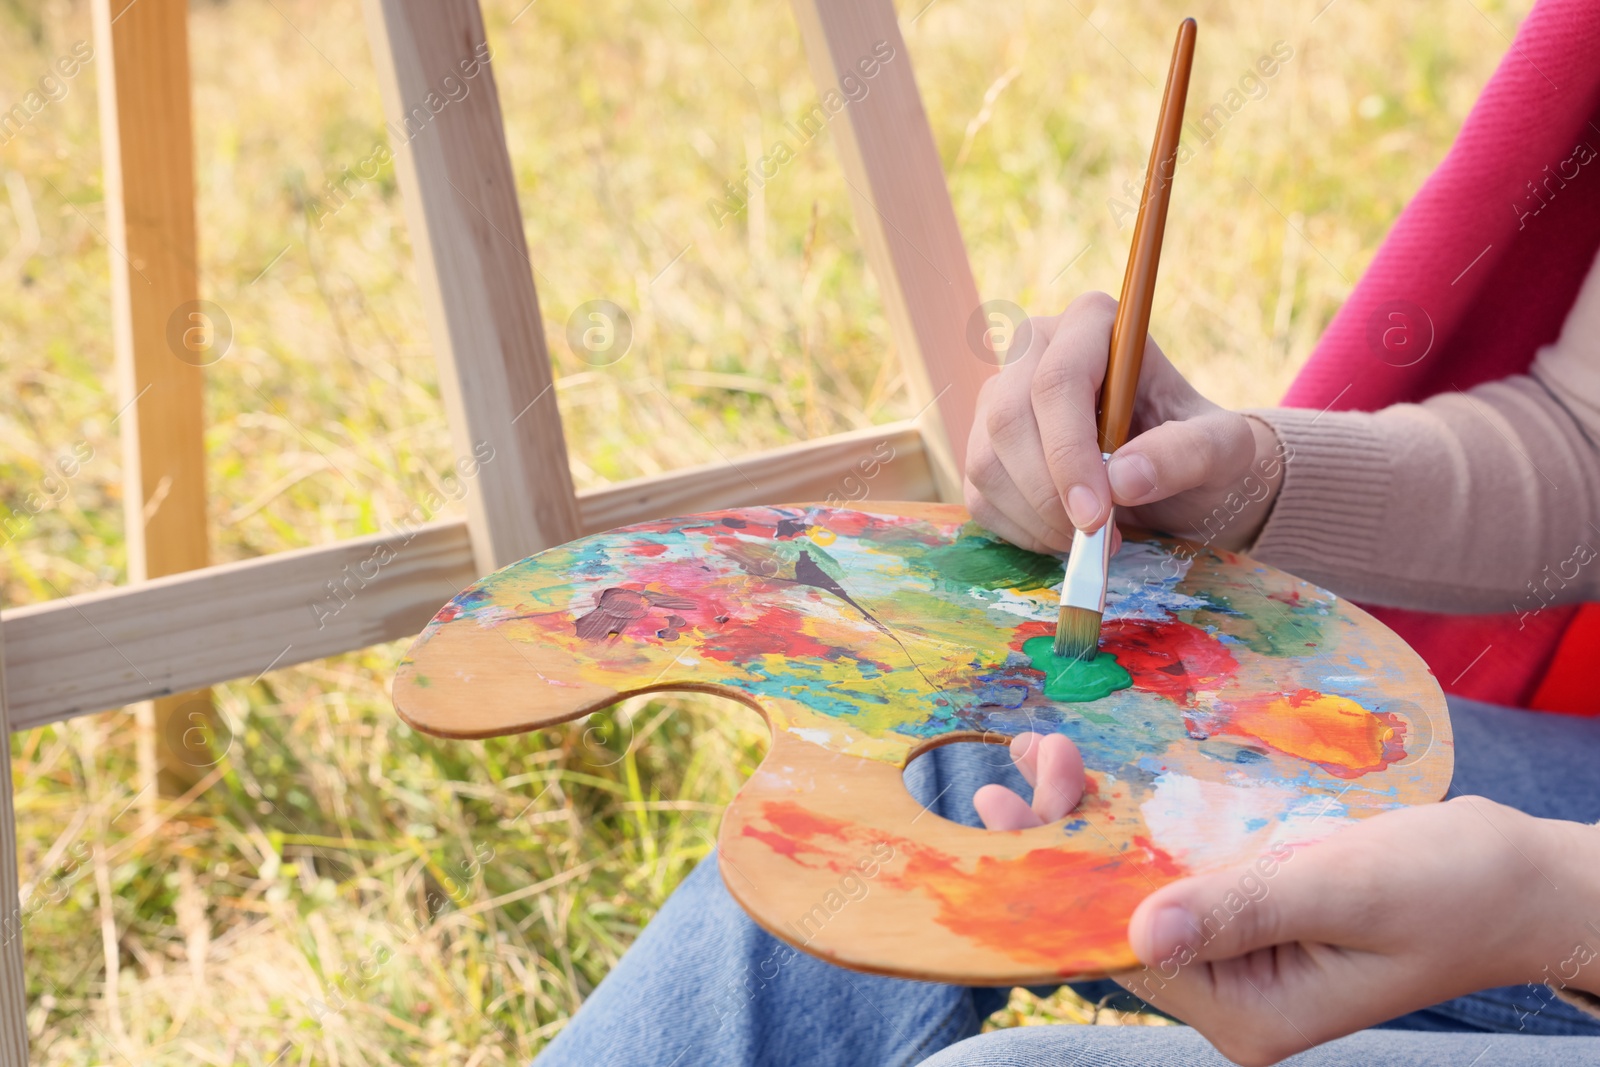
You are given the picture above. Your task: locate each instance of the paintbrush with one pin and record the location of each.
(1083, 592)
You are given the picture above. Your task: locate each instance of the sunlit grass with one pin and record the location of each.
(346, 891)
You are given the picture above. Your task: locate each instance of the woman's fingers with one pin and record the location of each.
(1059, 778)
(1001, 809)
(1000, 507)
(1053, 766)
(1013, 462)
(1025, 754)
(1062, 397)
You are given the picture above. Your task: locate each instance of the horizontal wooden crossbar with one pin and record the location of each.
(103, 650)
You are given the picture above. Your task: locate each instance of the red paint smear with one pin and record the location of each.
(792, 819)
(1029, 630)
(783, 846)
(775, 630)
(1172, 659)
(1336, 733)
(1059, 908)
(849, 523)
(731, 623)
(794, 829)
(647, 548)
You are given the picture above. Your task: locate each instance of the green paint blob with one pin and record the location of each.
(1075, 680)
(994, 565)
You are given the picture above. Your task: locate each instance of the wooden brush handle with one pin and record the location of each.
(1132, 323)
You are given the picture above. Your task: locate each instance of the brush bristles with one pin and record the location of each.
(1077, 633)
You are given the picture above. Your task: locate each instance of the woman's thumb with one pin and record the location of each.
(1178, 456)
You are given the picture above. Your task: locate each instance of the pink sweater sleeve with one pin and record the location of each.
(1479, 501)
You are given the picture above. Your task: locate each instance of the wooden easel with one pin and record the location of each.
(181, 625)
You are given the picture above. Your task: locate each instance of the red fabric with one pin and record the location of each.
(1478, 272)
(1569, 684)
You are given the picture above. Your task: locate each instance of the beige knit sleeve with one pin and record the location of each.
(1480, 501)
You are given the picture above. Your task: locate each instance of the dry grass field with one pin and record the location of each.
(282, 915)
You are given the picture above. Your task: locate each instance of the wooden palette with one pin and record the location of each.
(1263, 711)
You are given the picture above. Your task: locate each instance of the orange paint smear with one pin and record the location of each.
(1333, 732)
(1057, 908)
(1052, 907)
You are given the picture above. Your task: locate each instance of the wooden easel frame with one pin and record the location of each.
(184, 625)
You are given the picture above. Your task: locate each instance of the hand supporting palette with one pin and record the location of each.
(1233, 709)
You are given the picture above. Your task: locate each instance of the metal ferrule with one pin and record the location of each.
(1085, 582)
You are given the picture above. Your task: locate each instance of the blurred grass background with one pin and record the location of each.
(348, 892)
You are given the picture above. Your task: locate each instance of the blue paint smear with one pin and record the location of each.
(997, 694)
(818, 695)
(468, 599)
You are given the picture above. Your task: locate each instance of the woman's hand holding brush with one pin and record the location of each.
(1033, 464)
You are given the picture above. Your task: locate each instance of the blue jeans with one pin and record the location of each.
(704, 986)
